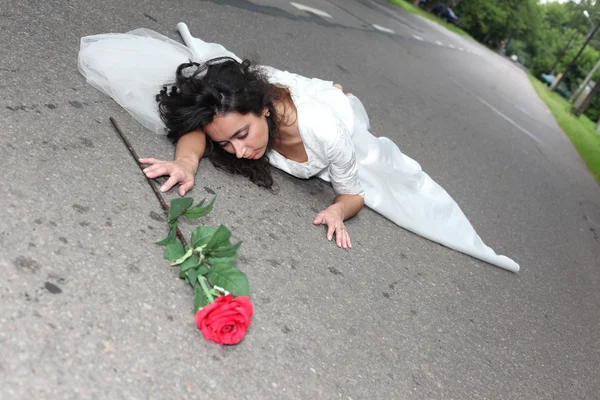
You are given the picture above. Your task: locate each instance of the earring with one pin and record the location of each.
(268, 114)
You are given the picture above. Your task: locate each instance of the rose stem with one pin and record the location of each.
(209, 296)
(152, 184)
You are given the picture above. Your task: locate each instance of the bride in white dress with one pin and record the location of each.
(249, 116)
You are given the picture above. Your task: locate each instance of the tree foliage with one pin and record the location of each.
(544, 36)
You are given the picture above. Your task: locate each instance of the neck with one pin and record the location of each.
(289, 142)
(286, 112)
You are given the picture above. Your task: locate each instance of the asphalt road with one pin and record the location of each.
(89, 310)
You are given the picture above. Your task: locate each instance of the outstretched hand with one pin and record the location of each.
(180, 172)
(333, 217)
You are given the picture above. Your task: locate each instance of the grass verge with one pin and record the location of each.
(581, 130)
(416, 10)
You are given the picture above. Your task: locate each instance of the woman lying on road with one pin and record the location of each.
(245, 120)
(245, 117)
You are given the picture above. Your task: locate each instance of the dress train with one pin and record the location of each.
(133, 67)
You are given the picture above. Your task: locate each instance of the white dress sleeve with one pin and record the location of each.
(334, 143)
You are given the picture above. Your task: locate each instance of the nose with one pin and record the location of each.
(240, 149)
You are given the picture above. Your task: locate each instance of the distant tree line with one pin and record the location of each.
(544, 37)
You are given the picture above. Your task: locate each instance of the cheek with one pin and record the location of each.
(264, 136)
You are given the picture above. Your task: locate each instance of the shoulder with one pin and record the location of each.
(321, 126)
(324, 131)
(316, 97)
(326, 105)
(317, 114)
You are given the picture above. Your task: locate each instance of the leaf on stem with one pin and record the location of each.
(174, 251)
(211, 260)
(178, 207)
(190, 262)
(184, 257)
(192, 274)
(200, 299)
(219, 238)
(199, 211)
(229, 278)
(202, 235)
(170, 237)
(225, 251)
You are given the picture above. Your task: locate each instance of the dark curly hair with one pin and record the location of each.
(219, 86)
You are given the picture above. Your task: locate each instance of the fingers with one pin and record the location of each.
(342, 238)
(177, 173)
(330, 231)
(334, 227)
(169, 183)
(149, 160)
(337, 85)
(318, 219)
(156, 170)
(185, 187)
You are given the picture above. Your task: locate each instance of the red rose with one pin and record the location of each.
(226, 319)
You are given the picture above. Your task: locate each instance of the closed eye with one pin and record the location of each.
(244, 136)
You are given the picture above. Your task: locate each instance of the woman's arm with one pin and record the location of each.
(338, 149)
(188, 153)
(350, 204)
(344, 207)
(190, 147)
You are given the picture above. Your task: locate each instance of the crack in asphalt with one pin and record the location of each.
(591, 214)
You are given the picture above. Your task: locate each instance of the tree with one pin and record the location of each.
(543, 36)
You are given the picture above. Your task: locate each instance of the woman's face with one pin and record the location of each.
(245, 135)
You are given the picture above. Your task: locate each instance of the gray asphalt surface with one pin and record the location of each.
(89, 310)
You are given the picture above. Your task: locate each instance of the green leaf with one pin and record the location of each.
(191, 262)
(184, 257)
(202, 235)
(219, 239)
(191, 276)
(203, 270)
(229, 250)
(229, 278)
(211, 260)
(200, 299)
(174, 251)
(178, 207)
(170, 237)
(199, 211)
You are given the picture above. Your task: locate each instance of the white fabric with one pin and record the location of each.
(326, 134)
(132, 67)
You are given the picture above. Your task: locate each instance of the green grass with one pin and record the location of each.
(580, 130)
(416, 10)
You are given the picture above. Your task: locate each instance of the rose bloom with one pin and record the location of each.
(226, 319)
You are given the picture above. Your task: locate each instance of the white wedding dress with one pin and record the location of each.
(133, 67)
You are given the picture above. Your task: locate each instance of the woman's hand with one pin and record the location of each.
(333, 217)
(337, 85)
(182, 172)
